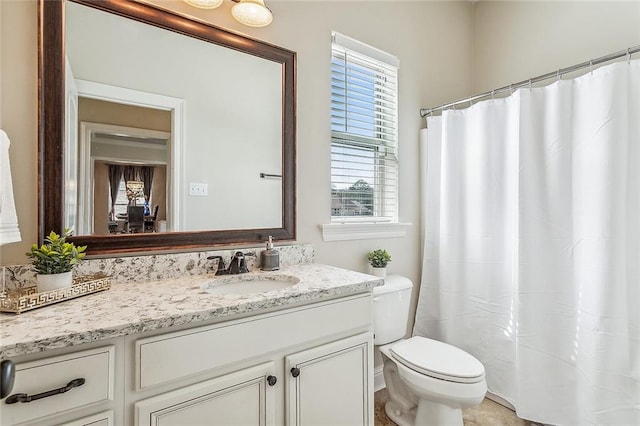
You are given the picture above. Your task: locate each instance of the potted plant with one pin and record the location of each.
(54, 260)
(378, 259)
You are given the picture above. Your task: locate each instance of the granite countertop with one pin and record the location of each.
(129, 308)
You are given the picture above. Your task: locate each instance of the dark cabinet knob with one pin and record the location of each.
(295, 372)
(272, 380)
(7, 377)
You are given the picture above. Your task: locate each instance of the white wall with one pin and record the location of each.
(514, 41)
(19, 100)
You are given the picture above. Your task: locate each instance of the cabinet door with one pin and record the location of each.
(331, 384)
(102, 419)
(244, 398)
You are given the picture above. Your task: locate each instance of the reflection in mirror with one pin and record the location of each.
(222, 159)
(232, 131)
(117, 155)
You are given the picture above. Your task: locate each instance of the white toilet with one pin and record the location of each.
(429, 382)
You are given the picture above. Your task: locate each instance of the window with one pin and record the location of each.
(364, 136)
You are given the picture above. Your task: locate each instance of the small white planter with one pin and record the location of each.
(379, 272)
(54, 281)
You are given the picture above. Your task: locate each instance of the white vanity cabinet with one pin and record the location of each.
(241, 371)
(329, 384)
(304, 365)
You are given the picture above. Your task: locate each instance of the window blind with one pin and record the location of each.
(364, 136)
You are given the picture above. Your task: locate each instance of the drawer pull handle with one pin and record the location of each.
(23, 397)
(272, 380)
(295, 372)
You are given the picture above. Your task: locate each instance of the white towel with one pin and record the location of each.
(9, 230)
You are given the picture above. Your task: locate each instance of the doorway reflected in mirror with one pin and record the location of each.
(112, 137)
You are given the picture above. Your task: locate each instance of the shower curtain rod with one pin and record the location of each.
(558, 74)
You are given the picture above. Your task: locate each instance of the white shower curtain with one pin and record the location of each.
(532, 245)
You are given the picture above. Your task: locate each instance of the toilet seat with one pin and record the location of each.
(438, 360)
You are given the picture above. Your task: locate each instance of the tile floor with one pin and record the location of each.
(488, 413)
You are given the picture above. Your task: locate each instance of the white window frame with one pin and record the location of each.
(382, 224)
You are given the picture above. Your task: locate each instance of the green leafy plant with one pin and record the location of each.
(379, 258)
(56, 256)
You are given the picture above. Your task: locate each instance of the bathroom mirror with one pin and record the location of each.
(232, 193)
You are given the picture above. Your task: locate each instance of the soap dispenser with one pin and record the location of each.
(270, 258)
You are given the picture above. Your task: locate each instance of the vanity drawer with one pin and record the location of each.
(95, 366)
(172, 356)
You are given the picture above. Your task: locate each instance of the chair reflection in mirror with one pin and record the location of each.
(150, 221)
(135, 219)
(117, 226)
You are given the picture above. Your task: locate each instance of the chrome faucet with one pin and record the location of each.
(237, 265)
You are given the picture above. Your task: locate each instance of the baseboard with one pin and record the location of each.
(378, 379)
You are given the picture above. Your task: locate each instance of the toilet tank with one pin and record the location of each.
(391, 309)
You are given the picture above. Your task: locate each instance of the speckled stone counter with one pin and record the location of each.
(160, 266)
(135, 307)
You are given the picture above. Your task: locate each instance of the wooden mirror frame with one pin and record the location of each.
(51, 131)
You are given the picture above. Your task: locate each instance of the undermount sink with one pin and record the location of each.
(249, 284)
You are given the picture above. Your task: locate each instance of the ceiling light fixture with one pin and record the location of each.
(204, 4)
(253, 13)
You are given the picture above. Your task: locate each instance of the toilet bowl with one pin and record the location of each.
(428, 382)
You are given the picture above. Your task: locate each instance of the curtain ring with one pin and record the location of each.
(511, 89)
(591, 66)
(493, 94)
(530, 84)
(629, 55)
(558, 75)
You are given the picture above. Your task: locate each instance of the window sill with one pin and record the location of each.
(363, 231)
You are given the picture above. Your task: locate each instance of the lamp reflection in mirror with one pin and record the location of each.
(135, 190)
(253, 13)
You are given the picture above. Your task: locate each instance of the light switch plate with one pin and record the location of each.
(198, 189)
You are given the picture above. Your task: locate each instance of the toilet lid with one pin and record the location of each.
(438, 359)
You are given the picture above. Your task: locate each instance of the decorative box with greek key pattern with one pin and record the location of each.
(27, 298)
